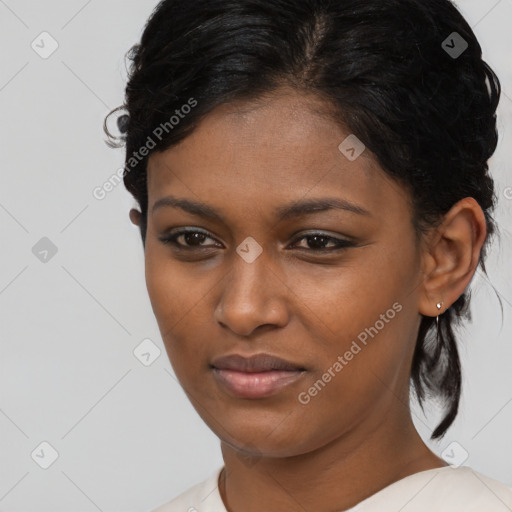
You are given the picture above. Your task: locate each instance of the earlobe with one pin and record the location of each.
(135, 216)
(453, 255)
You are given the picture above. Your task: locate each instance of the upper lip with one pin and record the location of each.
(253, 364)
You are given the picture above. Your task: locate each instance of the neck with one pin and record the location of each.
(335, 476)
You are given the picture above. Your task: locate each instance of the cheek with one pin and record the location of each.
(180, 301)
(344, 299)
(359, 312)
(171, 294)
(163, 285)
(173, 287)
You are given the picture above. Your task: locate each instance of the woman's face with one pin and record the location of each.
(345, 317)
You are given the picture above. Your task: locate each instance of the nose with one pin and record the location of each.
(252, 295)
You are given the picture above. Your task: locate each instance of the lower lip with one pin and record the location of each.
(256, 385)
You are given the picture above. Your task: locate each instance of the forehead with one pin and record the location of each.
(277, 149)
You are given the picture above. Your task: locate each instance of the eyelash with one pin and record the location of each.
(171, 240)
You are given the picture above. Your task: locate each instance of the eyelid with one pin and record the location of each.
(324, 233)
(339, 241)
(171, 236)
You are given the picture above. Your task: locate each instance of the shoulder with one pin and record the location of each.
(467, 488)
(447, 489)
(202, 497)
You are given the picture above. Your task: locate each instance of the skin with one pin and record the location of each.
(356, 436)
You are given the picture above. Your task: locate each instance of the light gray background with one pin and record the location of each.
(126, 436)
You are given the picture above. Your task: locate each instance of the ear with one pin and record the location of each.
(135, 216)
(451, 256)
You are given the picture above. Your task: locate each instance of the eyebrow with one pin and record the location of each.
(294, 209)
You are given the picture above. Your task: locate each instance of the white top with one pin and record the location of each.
(446, 489)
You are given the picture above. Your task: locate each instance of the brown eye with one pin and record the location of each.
(317, 241)
(192, 238)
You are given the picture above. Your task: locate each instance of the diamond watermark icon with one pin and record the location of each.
(454, 45)
(44, 45)
(455, 454)
(352, 147)
(44, 250)
(147, 352)
(249, 249)
(45, 455)
(253, 458)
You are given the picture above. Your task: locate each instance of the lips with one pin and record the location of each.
(254, 364)
(258, 376)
